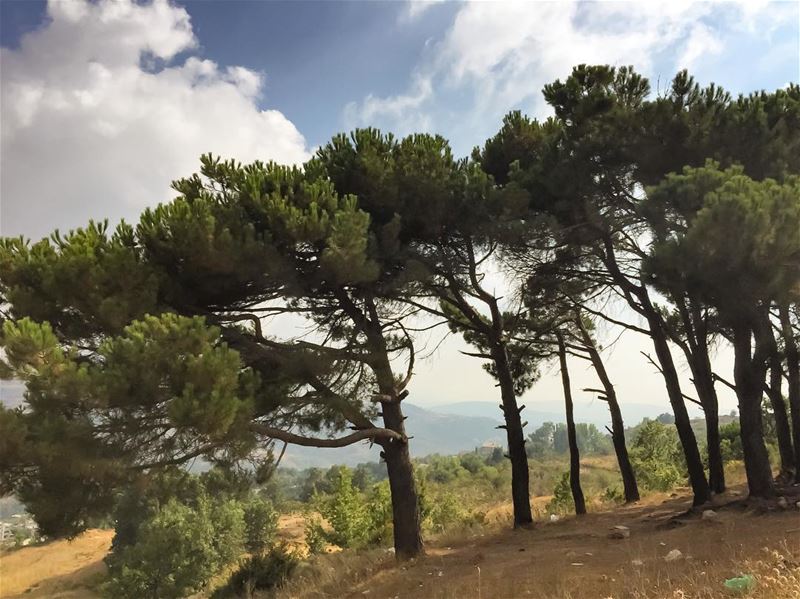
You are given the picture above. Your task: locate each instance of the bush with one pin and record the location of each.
(613, 495)
(345, 511)
(315, 536)
(731, 442)
(261, 523)
(260, 572)
(172, 537)
(562, 501)
(446, 512)
(176, 552)
(657, 457)
(378, 525)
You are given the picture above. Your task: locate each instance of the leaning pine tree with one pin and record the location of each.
(239, 244)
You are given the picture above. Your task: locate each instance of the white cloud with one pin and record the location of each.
(404, 110)
(415, 8)
(102, 108)
(499, 55)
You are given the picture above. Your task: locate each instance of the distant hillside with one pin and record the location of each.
(432, 432)
(537, 412)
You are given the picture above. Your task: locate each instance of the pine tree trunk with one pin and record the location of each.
(694, 463)
(405, 499)
(749, 378)
(782, 429)
(707, 395)
(520, 492)
(572, 438)
(617, 425)
(406, 520)
(793, 378)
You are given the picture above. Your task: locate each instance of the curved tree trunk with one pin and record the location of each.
(406, 519)
(707, 395)
(773, 390)
(694, 463)
(572, 438)
(639, 299)
(617, 425)
(793, 378)
(782, 428)
(775, 395)
(520, 492)
(749, 378)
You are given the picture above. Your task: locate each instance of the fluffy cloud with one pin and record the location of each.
(498, 55)
(105, 104)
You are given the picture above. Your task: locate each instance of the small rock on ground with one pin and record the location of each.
(673, 555)
(619, 532)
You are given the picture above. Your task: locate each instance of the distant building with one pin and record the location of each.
(487, 448)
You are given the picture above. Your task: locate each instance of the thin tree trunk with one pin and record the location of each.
(793, 378)
(694, 463)
(520, 491)
(749, 380)
(630, 486)
(782, 428)
(572, 438)
(707, 395)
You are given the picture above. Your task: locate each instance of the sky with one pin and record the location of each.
(102, 104)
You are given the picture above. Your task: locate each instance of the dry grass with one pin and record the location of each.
(569, 559)
(61, 569)
(574, 559)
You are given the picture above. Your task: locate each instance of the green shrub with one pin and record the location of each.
(261, 524)
(378, 524)
(356, 519)
(657, 457)
(260, 572)
(315, 536)
(613, 495)
(447, 512)
(176, 552)
(562, 501)
(731, 442)
(346, 512)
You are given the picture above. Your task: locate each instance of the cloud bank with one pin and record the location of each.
(108, 102)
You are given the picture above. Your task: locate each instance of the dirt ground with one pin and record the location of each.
(575, 559)
(569, 559)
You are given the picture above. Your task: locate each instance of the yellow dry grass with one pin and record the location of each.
(569, 559)
(61, 569)
(575, 559)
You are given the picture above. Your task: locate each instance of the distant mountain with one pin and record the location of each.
(432, 432)
(592, 411)
(491, 410)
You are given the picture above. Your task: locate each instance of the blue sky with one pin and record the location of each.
(102, 104)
